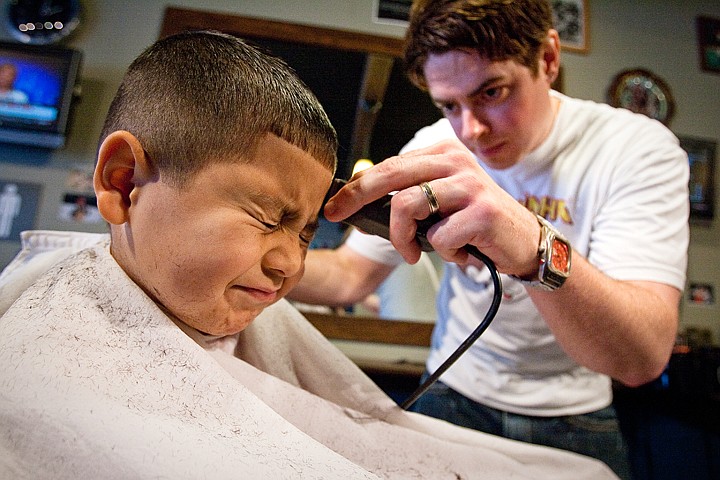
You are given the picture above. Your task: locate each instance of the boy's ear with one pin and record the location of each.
(122, 166)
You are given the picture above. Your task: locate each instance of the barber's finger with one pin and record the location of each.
(409, 207)
(394, 174)
(365, 187)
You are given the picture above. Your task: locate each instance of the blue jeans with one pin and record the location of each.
(595, 434)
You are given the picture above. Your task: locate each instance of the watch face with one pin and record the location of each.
(555, 255)
(42, 21)
(560, 260)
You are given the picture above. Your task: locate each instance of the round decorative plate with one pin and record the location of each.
(641, 91)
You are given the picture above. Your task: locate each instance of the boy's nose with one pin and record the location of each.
(286, 257)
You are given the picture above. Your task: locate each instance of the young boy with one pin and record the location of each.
(135, 358)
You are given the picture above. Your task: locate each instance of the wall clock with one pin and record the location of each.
(641, 91)
(41, 22)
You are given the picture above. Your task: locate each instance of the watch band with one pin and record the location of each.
(554, 259)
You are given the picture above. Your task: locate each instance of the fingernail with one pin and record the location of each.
(330, 207)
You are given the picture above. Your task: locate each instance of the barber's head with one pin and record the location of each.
(488, 65)
(495, 29)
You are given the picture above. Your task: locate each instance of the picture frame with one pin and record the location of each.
(571, 19)
(392, 11)
(701, 294)
(19, 203)
(701, 156)
(708, 37)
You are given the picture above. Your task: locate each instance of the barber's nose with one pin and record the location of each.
(286, 257)
(473, 125)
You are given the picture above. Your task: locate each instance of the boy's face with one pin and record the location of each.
(498, 109)
(232, 241)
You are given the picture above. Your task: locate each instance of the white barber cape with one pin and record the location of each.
(96, 381)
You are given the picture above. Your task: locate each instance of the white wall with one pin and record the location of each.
(658, 35)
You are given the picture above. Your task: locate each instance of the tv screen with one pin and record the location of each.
(37, 85)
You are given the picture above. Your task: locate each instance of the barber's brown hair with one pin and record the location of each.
(496, 29)
(203, 97)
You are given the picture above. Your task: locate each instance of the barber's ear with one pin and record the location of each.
(122, 166)
(550, 59)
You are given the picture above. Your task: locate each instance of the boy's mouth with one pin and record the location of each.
(261, 295)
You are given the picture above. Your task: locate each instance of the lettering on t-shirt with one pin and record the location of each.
(550, 208)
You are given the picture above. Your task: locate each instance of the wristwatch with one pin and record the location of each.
(554, 258)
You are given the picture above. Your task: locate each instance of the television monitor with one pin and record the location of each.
(37, 86)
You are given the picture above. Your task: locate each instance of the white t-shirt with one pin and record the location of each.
(615, 184)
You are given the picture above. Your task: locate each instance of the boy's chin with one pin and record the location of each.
(222, 327)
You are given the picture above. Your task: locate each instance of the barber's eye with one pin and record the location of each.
(446, 108)
(495, 93)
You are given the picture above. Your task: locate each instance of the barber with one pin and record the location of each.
(581, 206)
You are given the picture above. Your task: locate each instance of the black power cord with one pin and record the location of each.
(462, 348)
(374, 218)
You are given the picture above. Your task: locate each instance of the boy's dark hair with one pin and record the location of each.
(201, 97)
(497, 29)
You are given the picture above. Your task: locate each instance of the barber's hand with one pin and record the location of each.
(474, 209)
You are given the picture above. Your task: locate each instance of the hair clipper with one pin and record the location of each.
(374, 218)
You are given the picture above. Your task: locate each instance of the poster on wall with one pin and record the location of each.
(79, 204)
(570, 18)
(701, 156)
(78, 208)
(708, 35)
(701, 294)
(18, 208)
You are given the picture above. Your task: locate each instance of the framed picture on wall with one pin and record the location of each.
(701, 155)
(708, 34)
(571, 20)
(701, 294)
(392, 11)
(18, 208)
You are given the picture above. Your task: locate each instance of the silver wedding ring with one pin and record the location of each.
(430, 197)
